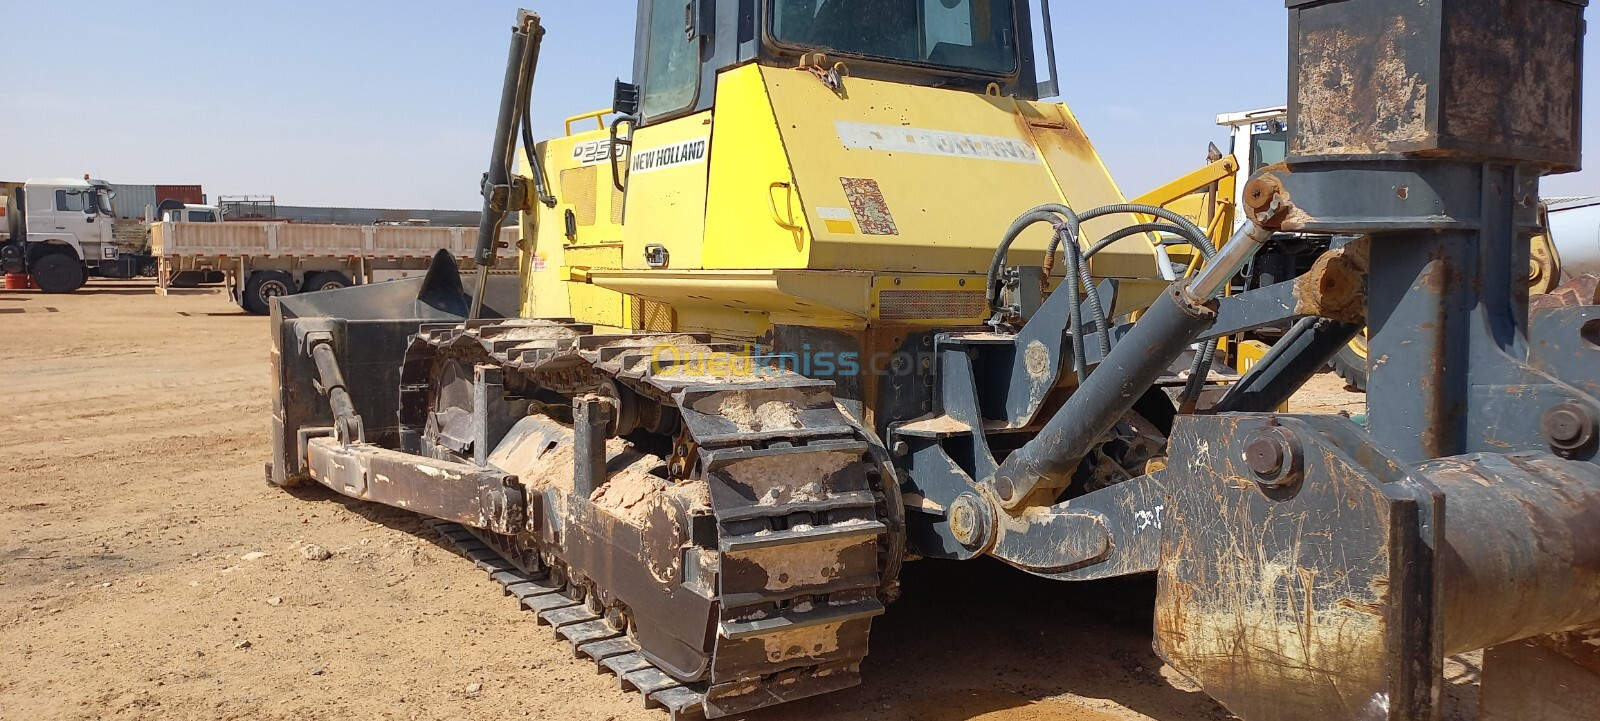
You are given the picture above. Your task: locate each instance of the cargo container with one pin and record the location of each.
(134, 202)
(186, 194)
(143, 202)
(264, 260)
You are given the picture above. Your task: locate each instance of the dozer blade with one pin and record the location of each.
(366, 329)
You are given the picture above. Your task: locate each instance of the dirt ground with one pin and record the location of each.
(147, 571)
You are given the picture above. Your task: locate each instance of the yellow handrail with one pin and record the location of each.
(772, 207)
(597, 116)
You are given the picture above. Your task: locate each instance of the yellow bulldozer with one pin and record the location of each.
(831, 289)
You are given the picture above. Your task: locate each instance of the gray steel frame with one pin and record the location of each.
(1311, 567)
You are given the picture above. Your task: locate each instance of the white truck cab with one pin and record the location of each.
(192, 214)
(66, 232)
(78, 214)
(1259, 138)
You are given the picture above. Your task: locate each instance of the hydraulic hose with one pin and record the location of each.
(1067, 225)
(1110, 240)
(1047, 461)
(1050, 213)
(1080, 357)
(541, 184)
(1078, 269)
(1042, 467)
(1200, 370)
(1192, 232)
(1097, 308)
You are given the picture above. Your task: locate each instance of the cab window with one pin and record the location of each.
(672, 64)
(974, 35)
(72, 200)
(1269, 148)
(202, 216)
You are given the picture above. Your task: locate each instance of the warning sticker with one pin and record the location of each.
(867, 204)
(839, 221)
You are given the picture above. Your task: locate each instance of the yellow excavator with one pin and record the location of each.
(831, 288)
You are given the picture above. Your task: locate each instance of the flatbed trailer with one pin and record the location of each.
(263, 260)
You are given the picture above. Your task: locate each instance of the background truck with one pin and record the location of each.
(259, 261)
(61, 232)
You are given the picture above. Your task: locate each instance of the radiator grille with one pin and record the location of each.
(578, 189)
(649, 315)
(920, 304)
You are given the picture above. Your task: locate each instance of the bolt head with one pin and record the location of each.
(1264, 457)
(1273, 455)
(1569, 427)
(969, 521)
(1004, 488)
(1564, 426)
(962, 522)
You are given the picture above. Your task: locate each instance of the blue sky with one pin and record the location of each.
(392, 103)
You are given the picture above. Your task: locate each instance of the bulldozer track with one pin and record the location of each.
(589, 635)
(793, 553)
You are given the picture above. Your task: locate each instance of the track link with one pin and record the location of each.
(788, 558)
(589, 635)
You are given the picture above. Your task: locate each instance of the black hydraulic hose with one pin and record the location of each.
(1080, 357)
(1097, 307)
(1078, 273)
(1200, 370)
(1049, 213)
(1067, 227)
(1171, 323)
(1068, 223)
(1192, 232)
(1202, 365)
(1181, 226)
(1151, 227)
(541, 185)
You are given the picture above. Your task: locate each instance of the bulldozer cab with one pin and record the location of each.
(837, 128)
(978, 45)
